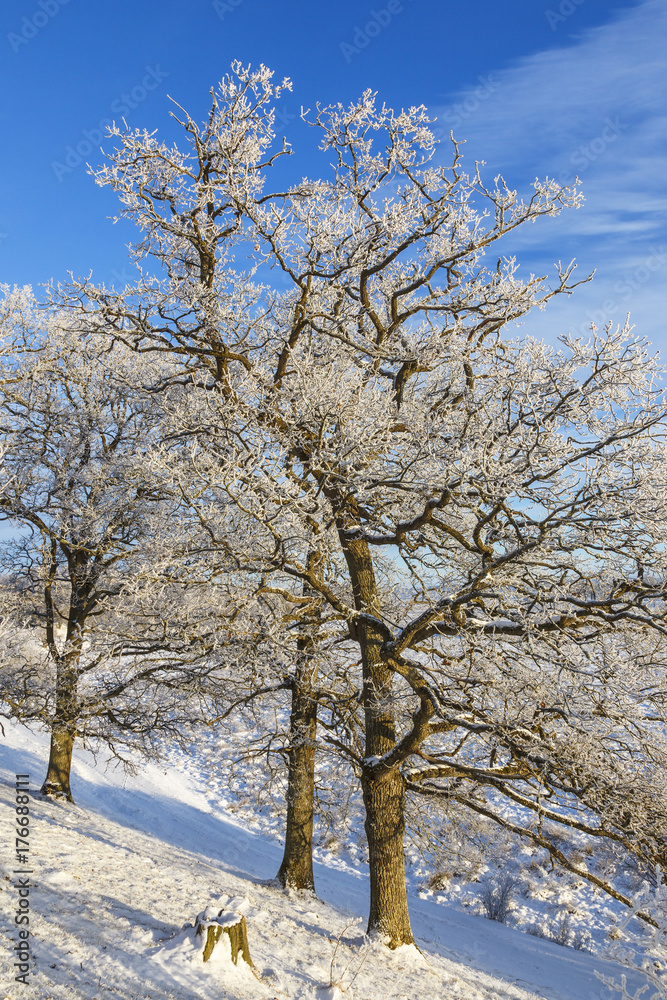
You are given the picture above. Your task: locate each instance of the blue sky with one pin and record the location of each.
(535, 87)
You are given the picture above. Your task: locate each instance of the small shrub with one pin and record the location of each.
(562, 930)
(439, 881)
(582, 940)
(332, 844)
(498, 897)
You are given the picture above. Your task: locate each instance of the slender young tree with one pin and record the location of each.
(88, 571)
(296, 868)
(375, 407)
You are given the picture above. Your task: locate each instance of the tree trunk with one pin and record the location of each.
(56, 783)
(385, 826)
(63, 729)
(296, 869)
(384, 798)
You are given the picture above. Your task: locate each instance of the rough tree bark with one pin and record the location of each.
(384, 801)
(296, 869)
(384, 798)
(63, 729)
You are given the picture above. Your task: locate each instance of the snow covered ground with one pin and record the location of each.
(117, 877)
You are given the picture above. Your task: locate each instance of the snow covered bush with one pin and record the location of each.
(498, 897)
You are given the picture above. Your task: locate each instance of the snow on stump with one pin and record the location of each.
(214, 923)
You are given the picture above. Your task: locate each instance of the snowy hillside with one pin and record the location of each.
(119, 875)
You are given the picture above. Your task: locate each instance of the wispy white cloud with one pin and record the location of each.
(596, 108)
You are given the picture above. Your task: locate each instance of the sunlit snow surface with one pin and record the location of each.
(119, 875)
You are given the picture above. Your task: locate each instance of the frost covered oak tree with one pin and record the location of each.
(89, 583)
(374, 404)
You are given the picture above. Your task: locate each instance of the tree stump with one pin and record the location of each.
(228, 922)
